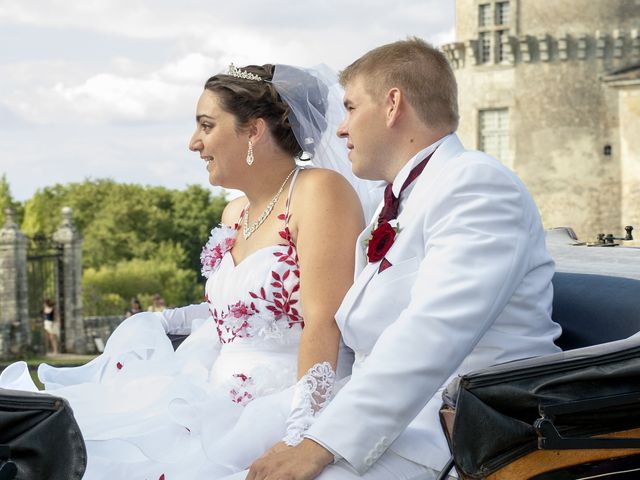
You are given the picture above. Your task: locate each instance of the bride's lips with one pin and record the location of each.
(208, 160)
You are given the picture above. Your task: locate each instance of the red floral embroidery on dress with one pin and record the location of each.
(283, 299)
(241, 393)
(234, 322)
(119, 366)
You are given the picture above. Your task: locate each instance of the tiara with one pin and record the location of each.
(239, 73)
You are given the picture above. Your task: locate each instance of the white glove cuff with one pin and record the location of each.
(179, 320)
(311, 395)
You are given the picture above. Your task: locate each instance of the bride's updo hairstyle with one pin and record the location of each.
(247, 99)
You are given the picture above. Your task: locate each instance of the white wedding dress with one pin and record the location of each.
(215, 404)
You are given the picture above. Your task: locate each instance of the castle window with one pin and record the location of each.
(494, 133)
(484, 47)
(502, 13)
(501, 37)
(484, 15)
(495, 24)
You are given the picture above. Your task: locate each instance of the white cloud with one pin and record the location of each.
(208, 37)
(159, 95)
(108, 87)
(236, 24)
(193, 68)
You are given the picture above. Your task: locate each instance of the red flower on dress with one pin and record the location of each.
(119, 366)
(380, 242)
(239, 310)
(241, 393)
(235, 322)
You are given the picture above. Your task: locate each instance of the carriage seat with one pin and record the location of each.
(594, 309)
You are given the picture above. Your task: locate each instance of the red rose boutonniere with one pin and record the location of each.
(381, 239)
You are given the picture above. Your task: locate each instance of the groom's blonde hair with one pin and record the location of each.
(419, 70)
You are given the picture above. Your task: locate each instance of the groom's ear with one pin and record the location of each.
(393, 106)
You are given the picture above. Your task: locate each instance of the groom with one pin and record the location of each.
(452, 275)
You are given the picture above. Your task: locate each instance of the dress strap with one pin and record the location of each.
(237, 225)
(286, 208)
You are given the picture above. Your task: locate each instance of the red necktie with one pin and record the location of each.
(391, 203)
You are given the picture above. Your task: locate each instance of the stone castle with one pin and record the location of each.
(552, 89)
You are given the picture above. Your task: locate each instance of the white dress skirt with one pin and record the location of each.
(211, 407)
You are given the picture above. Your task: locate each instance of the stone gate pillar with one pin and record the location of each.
(71, 241)
(15, 331)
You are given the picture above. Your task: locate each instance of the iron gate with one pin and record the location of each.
(44, 277)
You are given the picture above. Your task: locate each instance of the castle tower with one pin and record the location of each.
(543, 85)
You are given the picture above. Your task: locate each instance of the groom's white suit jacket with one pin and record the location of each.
(469, 286)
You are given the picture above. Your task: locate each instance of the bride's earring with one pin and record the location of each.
(250, 154)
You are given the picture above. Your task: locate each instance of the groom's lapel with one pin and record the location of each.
(361, 245)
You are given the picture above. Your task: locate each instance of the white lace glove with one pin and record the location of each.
(178, 321)
(311, 395)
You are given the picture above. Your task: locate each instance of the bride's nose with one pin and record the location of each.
(195, 144)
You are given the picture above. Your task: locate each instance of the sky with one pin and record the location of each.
(107, 88)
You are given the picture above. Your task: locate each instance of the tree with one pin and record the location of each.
(122, 222)
(6, 199)
(196, 212)
(109, 289)
(5, 190)
(134, 229)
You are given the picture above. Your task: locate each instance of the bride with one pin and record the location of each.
(262, 353)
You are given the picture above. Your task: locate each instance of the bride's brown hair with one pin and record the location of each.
(249, 99)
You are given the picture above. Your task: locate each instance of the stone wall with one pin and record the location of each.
(536, 17)
(14, 318)
(562, 116)
(71, 242)
(629, 107)
(99, 328)
(577, 16)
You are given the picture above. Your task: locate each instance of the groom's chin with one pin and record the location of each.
(362, 172)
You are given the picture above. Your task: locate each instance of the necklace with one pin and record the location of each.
(248, 230)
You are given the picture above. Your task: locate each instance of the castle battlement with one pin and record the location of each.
(618, 46)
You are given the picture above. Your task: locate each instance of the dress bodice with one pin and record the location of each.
(258, 299)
